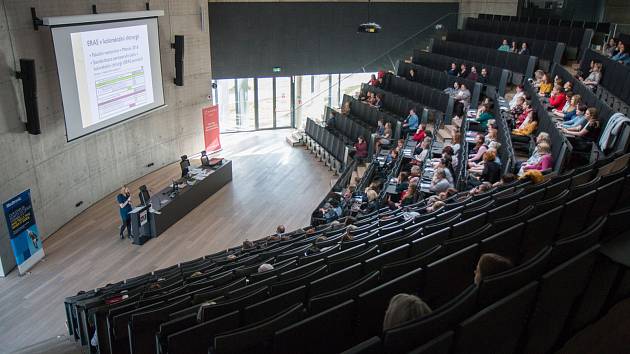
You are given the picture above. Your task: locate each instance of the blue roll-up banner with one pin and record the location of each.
(25, 240)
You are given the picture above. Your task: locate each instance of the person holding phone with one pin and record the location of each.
(124, 202)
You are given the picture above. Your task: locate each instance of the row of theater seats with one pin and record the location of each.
(439, 79)
(419, 92)
(497, 77)
(561, 148)
(575, 37)
(348, 127)
(615, 77)
(340, 185)
(547, 51)
(603, 27)
(329, 301)
(506, 151)
(371, 115)
(521, 66)
(330, 146)
(399, 106)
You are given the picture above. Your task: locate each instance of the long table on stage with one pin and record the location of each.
(168, 207)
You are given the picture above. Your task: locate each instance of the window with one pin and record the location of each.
(283, 102)
(245, 104)
(225, 95)
(265, 103)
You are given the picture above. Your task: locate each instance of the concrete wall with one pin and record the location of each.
(62, 174)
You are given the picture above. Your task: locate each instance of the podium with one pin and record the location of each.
(142, 224)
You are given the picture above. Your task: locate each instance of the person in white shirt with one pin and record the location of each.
(520, 92)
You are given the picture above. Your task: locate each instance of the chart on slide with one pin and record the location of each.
(119, 91)
(113, 72)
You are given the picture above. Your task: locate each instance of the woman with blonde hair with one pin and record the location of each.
(404, 308)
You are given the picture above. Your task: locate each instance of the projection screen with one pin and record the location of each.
(108, 72)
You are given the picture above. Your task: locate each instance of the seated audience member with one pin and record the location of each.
(524, 49)
(420, 133)
(411, 75)
(411, 123)
(473, 74)
(516, 111)
(452, 91)
(545, 86)
(491, 169)
(372, 202)
(479, 149)
(402, 182)
(493, 134)
(527, 128)
(385, 137)
(505, 180)
(445, 164)
(480, 189)
(345, 109)
(439, 183)
(491, 264)
(400, 145)
(582, 137)
(457, 139)
(415, 171)
(373, 81)
(593, 79)
(484, 116)
(462, 101)
(436, 206)
(545, 160)
(404, 308)
(463, 71)
(543, 137)
(538, 77)
(514, 47)
(348, 235)
(525, 115)
(422, 150)
(579, 119)
(610, 47)
(331, 211)
(361, 149)
(391, 157)
(378, 101)
(505, 46)
(409, 195)
(483, 77)
(247, 244)
(452, 70)
(520, 92)
(265, 267)
(557, 98)
(280, 230)
(622, 55)
(570, 108)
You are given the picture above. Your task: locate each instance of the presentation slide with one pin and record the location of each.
(108, 73)
(113, 69)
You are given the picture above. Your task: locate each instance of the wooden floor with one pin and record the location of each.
(273, 183)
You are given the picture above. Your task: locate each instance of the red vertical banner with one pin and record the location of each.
(211, 132)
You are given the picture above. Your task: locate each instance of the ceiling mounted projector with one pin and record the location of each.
(370, 27)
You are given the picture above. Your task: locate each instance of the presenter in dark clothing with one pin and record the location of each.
(124, 202)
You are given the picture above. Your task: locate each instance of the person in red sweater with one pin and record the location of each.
(420, 133)
(558, 98)
(361, 147)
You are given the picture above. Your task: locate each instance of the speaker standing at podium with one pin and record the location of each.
(124, 202)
